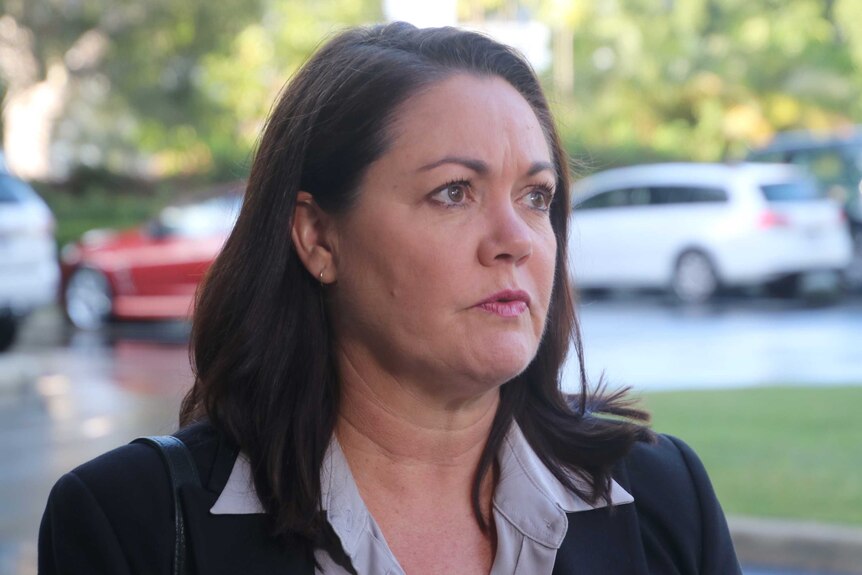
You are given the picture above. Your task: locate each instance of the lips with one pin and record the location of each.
(506, 303)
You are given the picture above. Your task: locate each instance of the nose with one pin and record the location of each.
(508, 238)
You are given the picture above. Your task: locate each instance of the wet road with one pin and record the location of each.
(64, 400)
(736, 342)
(65, 397)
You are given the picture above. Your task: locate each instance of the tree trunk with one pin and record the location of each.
(29, 116)
(563, 60)
(34, 103)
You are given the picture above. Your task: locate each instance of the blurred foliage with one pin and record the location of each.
(182, 85)
(247, 77)
(704, 79)
(185, 86)
(133, 71)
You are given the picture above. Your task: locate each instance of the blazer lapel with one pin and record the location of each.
(604, 540)
(230, 544)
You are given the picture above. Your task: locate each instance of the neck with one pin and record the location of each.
(402, 446)
(385, 422)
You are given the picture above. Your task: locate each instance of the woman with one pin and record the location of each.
(378, 350)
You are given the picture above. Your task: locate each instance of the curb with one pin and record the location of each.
(798, 545)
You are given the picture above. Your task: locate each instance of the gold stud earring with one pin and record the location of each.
(320, 276)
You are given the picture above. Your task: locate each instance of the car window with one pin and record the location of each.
(830, 166)
(801, 190)
(13, 190)
(762, 156)
(618, 198)
(664, 195)
(213, 217)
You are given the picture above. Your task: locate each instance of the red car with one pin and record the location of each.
(150, 272)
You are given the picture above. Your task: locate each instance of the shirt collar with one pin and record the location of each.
(340, 497)
(530, 497)
(239, 496)
(527, 495)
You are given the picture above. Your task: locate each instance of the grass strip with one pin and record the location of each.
(783, 451)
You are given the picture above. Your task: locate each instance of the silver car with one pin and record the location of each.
(29, 270)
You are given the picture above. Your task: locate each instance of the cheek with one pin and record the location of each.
(546, 262)
(386, 264)
(544, 271)
(426, 273)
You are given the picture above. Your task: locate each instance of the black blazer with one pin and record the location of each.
(114, 515)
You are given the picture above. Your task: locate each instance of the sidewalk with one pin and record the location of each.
(798, 545)
(18, 375)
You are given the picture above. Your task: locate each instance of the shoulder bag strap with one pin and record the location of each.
(182, 471)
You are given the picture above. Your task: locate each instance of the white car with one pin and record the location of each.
(29, 270)
(694, 228)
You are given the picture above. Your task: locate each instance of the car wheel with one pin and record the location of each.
(818, 287)
(694, 279)
(8, 329)
(784, 288)
(88, 299)
(824, 287)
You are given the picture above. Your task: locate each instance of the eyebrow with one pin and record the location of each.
(481, 167)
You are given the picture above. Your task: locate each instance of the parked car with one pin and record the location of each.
(834, 159)
(146, 273)
(29, 273)
(694, 228)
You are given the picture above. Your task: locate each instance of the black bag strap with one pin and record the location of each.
(182, 471)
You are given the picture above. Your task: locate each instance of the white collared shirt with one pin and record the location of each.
(529, 506)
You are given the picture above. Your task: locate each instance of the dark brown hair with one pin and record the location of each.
(263, 361)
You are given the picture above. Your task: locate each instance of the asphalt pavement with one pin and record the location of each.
(734, 342)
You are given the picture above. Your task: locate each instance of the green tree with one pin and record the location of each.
(103, 72)
(701, 79)
(246, 78)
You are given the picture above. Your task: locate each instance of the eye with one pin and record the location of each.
(540, 197)
(452, 194)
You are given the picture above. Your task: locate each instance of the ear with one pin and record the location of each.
(312, 235)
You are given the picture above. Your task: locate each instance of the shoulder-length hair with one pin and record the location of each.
(264, 368)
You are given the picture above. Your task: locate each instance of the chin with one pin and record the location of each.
(501, 364)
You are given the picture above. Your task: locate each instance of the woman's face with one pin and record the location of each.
(445, 265)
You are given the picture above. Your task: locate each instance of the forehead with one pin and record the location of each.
(469, 114)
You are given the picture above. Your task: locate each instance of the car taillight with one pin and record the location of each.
(770, 219)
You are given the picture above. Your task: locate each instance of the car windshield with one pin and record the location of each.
(795, 191)
(13, 191)
(838, 164)
(213, 217)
